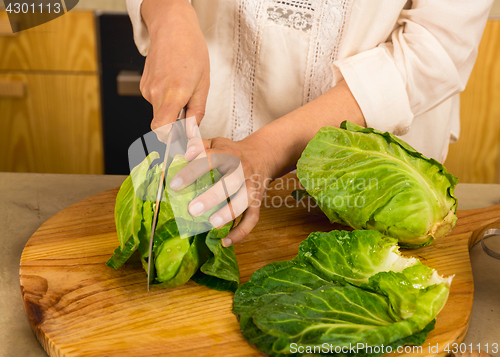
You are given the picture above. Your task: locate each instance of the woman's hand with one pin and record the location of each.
(268, 153)
(177, 70)
(245, 180)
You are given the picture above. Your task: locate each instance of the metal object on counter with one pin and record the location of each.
(487, 234)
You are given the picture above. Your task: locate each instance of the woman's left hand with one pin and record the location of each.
(247, 166)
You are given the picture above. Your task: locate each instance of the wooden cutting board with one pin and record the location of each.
(77, 306)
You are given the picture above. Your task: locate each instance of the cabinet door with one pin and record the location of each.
(67, 43)
(50, 123)
(475, 158)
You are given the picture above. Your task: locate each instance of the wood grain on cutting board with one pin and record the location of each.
(79, 307)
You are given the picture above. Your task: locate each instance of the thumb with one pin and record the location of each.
(195, 147)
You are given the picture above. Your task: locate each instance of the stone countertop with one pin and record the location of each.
(28, 200)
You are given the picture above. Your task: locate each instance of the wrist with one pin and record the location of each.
(159, 14)
(271, 157)
(288, 136)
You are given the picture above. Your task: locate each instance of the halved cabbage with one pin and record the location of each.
(372, 180)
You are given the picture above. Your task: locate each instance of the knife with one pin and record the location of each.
(182, 115)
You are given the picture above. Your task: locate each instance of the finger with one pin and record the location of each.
(225, 163)
(192, 130)
(198, 101)
(166, 114)
(195, 147)
(236, 206)
(162, 132)
(190, 173)
(144, 83)
(205, 162)
(166, 107)
(217, 159)
(243, 229)
(227, 186)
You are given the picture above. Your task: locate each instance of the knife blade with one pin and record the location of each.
(182, 115)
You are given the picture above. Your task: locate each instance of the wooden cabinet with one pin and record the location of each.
(67, 43)
(50, 114)
(55, 127)
(475, 158)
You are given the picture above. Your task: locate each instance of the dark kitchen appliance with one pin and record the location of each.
(126, 114)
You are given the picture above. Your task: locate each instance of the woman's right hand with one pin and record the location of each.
(177, 70)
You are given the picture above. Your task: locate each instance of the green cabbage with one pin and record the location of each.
(342, 289)
(367, 179)
(176, 257)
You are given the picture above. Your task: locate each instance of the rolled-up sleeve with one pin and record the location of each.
(141, 35)
(427, 59)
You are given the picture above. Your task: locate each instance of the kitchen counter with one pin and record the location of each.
(28, 200)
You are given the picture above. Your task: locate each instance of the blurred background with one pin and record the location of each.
(70, 99)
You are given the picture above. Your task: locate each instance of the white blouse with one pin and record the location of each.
(404, 61)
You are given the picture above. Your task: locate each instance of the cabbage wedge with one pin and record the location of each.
(367, 179)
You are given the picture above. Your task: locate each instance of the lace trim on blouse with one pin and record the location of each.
(330, 20)
(295, 14)
(324, 20)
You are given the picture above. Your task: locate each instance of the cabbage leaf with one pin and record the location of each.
(343, 288)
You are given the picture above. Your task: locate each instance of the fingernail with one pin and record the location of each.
(195, 131)
(190, 149)
(226, 242)
(196, 209)
(216, 221)
(176, 183)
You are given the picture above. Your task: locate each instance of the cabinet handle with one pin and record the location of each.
(6, 29)
(12, 89)
(128, 84)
